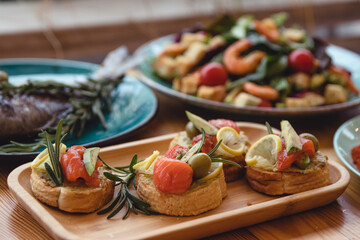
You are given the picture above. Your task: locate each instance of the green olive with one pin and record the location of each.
(200, 163)
(191, 130)
(311, 138)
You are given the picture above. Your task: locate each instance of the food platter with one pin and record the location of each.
(340, 56)
(242, 207)
(346, 137)
(134, 104)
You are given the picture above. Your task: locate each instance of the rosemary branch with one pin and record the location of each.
(124, 197)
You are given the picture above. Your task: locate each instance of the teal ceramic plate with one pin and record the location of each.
(340, 56)
(134, 104)
(346, 137)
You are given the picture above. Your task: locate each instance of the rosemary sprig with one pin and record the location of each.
(124, 197)
(89, 100)
(269, 129)
(55, 172)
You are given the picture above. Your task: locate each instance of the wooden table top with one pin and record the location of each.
(338, 220)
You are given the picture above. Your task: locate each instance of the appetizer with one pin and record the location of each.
(233, 142)
(190, 178)
(286, 164)
(254, 63)
(71, 180)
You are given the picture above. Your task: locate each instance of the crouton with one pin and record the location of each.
(164, 66)
(291, 102)
(189, 84)
(215, 93)
(173, 49)
(334, 93)
(314, 99)
(216, 42)
(300, 80)
(188, 38)
(195, 52)
(293, 34)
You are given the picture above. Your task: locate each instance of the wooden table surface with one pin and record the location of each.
(338, 220)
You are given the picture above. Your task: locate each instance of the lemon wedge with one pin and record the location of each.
(148, 161)
(263, 153)
(44, 155)
(231, 143)
(214, 171)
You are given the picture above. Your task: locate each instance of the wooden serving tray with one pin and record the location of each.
(242, 207)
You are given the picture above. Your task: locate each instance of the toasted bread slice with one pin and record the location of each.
(291, 181)
(72, 197)
(201, 197)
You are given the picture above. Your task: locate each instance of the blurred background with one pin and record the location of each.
(88, 29)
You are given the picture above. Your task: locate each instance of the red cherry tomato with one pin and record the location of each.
(209, 144)
(301, 60)
(172, 176)
(213, 74)
(220, 123)
(176, 151)
(265, 103)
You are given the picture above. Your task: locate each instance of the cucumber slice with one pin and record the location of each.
(201, 123)
(90, 158)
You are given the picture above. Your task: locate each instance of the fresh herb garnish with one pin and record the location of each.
(55, 173)
(269, 129)
(88, 101)
(123, 178)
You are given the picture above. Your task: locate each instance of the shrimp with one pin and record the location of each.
(241, 65)
(265, 92)
(268, 28)
(173, 50)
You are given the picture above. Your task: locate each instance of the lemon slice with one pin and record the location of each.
(231, 141)
(263, 153)
(148, 161)
(214, 171)
(41, 157)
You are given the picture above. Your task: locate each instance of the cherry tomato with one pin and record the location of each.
(209, 144)
(301, 60)
(176, 151)
(220, 123)
(265, 103)
(213, 74)
(172, 176)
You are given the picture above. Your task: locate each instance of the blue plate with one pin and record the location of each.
(340, 56)
(134, 104)
(346, 137)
